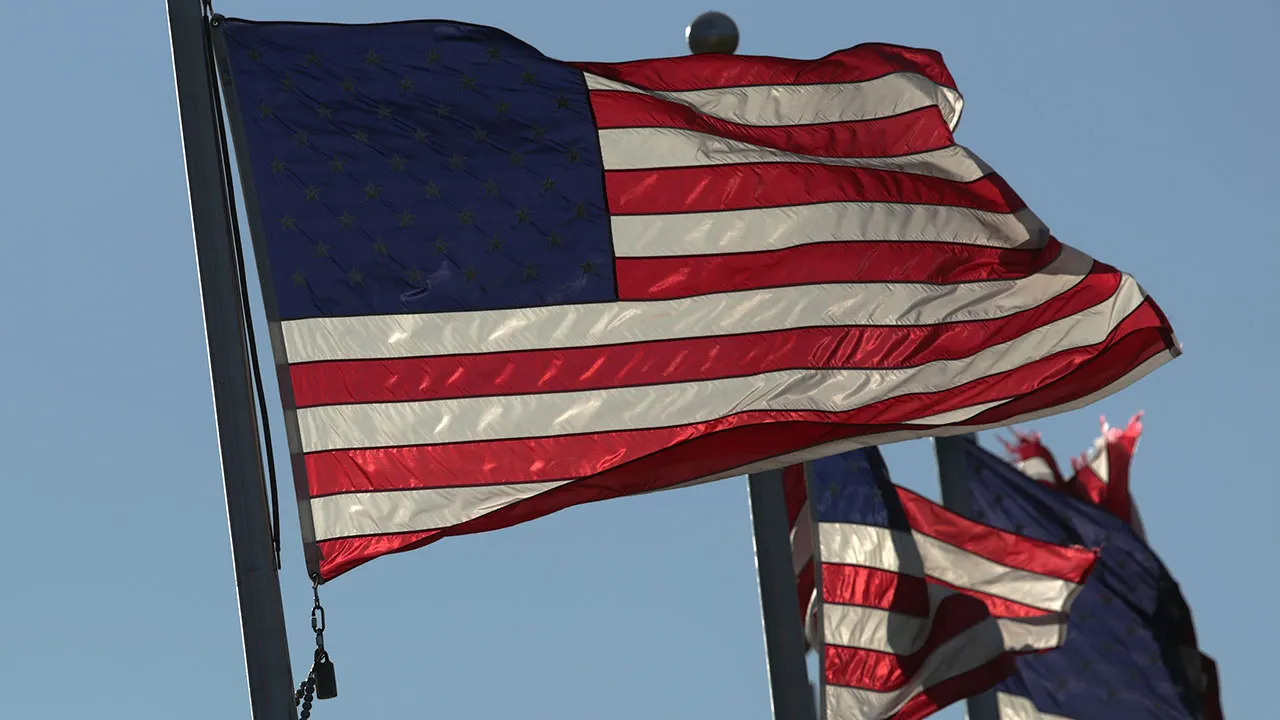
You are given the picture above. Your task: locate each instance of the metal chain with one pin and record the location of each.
(304, 695)
(306, 691)
(317, 613)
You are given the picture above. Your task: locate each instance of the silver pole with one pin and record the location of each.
(266, 645)
(957, 498)
(789, 687)
(790, 692)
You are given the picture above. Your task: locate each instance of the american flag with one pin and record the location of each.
(1101, 475)
(918, 606)
(501, 284)
(800, 521)
(1131, 648)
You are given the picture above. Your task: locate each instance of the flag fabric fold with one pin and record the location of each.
(916, 606)
(1100, 475)
(1131, 649)
(499, 284)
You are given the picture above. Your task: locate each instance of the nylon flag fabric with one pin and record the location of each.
(501, 284)
(919, 606)
(1101, 475)
(800, 525)
(1131, 650)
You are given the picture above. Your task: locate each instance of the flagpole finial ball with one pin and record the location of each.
(712, 32)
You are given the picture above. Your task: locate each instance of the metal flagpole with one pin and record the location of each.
(789, 687)
(956, 497)
(266, 645)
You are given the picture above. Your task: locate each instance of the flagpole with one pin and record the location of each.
(789, 687)
(266, 646)
(952, 477)
(790, 691)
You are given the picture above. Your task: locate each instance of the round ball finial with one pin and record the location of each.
(712, 32)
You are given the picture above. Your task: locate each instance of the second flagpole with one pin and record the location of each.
(956, 497)
(790, 692)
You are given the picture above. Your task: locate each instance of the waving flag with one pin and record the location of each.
(1034, 459)
(1131, 650)
(800, 523)
(501, 284)
(1101, 476)
(919, 607)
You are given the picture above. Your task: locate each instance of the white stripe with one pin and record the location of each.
(414, 510)
(848, 444)
(886, 631)
(774, 228)
(810, 611)
(1016, 707)
(965, 652)
(629, 408)
(1100, 463)
(753, 311)
(1037, 468)
(651, 148)
(958, 415)
(919, 555)
(371, 513)
(781, 105)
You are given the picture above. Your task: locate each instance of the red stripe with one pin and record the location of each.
(794, 492)
(1212, 694)
(1119, 448)
(916, 131)
(1027, 447)
(907, 595)
(796, 496)
(699, 451)
(581, 456)
(957, 687)
(715, 188)
(1072, 564)
(675, 361)
(667, 278)
(1145, 334)
(1088, 486)
(886, 672)
(871, 587)
(1118, 501)
(699, 72)
(1112, 495)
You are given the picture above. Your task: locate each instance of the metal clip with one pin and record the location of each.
(317, 620)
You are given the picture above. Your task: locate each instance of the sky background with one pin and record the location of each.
(1142, 133)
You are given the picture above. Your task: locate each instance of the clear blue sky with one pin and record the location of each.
(1143, 133)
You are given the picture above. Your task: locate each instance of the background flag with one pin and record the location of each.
(501, 284)
(1131, 650)
(919, 606)
(1100, 476)
(800, 521)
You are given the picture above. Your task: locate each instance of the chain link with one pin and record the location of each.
(305, 694)
(317, 613)
(306, 691)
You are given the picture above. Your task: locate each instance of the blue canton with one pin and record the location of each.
(1123, 656)
(854, 487)
(417, 167)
